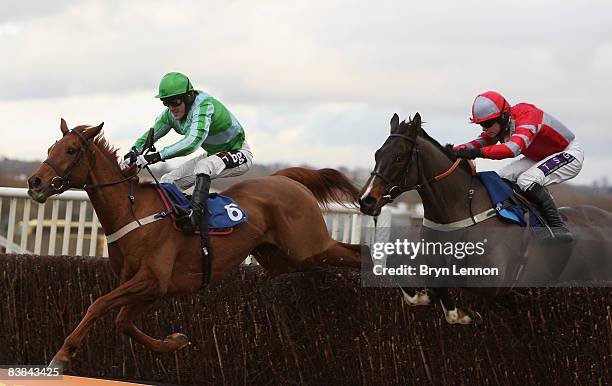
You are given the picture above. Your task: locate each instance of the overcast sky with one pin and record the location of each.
(311, 81)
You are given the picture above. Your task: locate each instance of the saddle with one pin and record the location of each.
(223, 212)
(509, 202)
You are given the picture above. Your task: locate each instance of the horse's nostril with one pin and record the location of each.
(34, 182)
(367, 202)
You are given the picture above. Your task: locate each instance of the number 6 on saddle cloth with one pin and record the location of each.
(223, 212)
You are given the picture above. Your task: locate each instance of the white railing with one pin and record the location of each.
(348, 225)
(70, 221)
(53, 225)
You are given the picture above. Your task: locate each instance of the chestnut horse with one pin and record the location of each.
(285, 232)
(410, 159)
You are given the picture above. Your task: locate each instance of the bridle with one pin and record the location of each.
(62, 181)
(413, 155)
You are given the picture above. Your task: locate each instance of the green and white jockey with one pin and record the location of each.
(205, 123)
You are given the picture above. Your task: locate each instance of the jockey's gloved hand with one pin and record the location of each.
(153, 158)
(468, 153)
(127, 159)
(130, 155)
(148, 159)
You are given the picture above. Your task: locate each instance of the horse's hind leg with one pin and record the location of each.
(276, 261)
(453, 314)
(125, 324)
(340, 255)
(273, 259)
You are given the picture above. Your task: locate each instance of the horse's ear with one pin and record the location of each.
(394, 122)
(93, 131)
(416, 121)
(415, 125)
(64, 127)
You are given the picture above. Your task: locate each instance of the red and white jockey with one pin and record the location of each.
(551, 153)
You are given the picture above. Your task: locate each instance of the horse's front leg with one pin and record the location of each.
(142, 287)
(413, 297)
(452, 313)
(125, 324)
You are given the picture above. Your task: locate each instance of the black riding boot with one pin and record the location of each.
(199, 203)
(199, 219)
(541, 196)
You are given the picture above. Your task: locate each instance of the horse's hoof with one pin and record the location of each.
(458, 316)
(57, 364)
(177, 340)
(421, 298)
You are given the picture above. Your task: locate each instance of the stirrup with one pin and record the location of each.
(185, 222)
(552, 235)
(562, 234)
(194, 219)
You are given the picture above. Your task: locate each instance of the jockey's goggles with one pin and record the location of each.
(488, 123)
(172, 102)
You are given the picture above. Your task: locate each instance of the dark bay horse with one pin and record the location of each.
(285, 232)
(410, 159)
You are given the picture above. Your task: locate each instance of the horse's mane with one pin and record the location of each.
(101, 142)
(444, 149)
(109, 151)
(105, 147)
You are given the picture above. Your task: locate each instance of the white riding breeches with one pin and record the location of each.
(235, 164)
(553, 169)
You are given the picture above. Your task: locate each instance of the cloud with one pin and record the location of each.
(28, 10)
(311, 81)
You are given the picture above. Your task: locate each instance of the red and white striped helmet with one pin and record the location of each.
(488, 105)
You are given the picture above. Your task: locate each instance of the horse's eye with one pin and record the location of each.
(398, 158)
(71, 151)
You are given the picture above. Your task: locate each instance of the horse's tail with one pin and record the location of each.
(327, 185)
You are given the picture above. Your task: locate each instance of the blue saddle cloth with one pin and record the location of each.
(223, 212)
(501, 195)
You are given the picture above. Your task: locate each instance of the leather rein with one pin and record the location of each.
(396, 190)
(62, 181)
